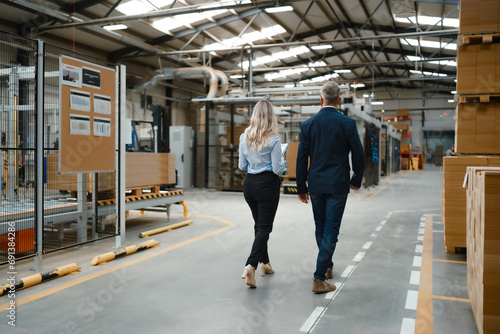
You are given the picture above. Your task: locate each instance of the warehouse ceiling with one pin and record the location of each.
(385, 44)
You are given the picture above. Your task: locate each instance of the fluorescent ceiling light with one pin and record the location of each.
(377, 103)
(453, 91)
(438, 62)
(429, 44)
(278, 9)
(429, 21)
(359, 85)
(342, 71)
(451, 101)
(366, 95)
(112, 27)
(321, 47)
(236, 76)
(289, 86)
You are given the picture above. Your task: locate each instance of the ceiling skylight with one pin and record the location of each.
(429, 44)
(429, 21)
(429, 74)
(266, 33)
(285, 73)
(321, 78)
(277, 56)
(139, 7)
(168, 24)
(438, 62)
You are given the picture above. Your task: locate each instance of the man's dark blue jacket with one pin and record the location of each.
(327, 138)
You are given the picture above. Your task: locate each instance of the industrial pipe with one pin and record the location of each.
(224, 82)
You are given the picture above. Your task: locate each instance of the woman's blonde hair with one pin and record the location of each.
(263, 126)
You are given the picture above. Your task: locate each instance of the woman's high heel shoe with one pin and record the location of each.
(249, 273)
(265, 268)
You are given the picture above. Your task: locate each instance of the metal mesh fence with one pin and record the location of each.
(17, 146)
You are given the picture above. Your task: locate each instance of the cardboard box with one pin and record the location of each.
(466, 69)
(291, 158)
(483, 246)
(488, 15)
(469, 16)
(477, 128)
(402, 112)
(405, 148)
(454, 196)
(237, 132)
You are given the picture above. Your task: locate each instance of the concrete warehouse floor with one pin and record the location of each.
(191, 282)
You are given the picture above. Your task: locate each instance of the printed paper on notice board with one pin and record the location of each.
(79, 100)
(102, 104)
(79, 125)
(71, 75)
(102, 127)
(91, 77)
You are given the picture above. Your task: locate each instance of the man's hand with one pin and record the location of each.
(304, 198)
(354, 188)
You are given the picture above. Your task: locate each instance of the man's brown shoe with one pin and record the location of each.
(320, 286)
(329, 273)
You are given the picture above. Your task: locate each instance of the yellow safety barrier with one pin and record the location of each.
(165, 228)
(184, 205)
(126, 251)
(39, 278)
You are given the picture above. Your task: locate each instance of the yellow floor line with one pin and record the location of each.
(387, 186)
(465, 300)
(424, 322)
(119, 266)
(449, 261)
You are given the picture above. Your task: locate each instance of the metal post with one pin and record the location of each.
(120, 184)
(250, 72)
(95, 189)
(39, 155)
(81, 232)
(233, 148)
(12, 169)
(207, 137)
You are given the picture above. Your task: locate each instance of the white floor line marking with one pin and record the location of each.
(421, 231)
(373, 236)
(415, 277)
(338, 286)
(378, 228)
(419, 248)
(422, 224)
(436, 231)
(383, 222)
(420, 238)
(359, 256)
(367, 245)
(408, 326)
(312, 319)
(347, 271)
(411, 300)
(417, 261)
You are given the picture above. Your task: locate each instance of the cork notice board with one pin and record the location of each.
(87, 94)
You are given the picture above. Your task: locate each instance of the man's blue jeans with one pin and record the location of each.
(328, 210)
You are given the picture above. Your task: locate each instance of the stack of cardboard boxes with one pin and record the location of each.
(483, 246)
(477, 118)
(471, 215)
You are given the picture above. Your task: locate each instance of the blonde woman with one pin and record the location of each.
(260, 156)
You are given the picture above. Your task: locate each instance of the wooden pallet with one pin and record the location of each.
(139, 191)
(481, 98)
(481, 38)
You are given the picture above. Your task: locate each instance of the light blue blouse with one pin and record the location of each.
(265, 159)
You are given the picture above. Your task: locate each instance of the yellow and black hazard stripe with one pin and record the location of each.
(290, 190)
(142, 197)
(38, 278)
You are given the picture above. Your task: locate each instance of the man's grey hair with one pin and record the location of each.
(330, 92)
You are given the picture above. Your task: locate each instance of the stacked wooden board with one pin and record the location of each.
(483, 246)
(141, 170)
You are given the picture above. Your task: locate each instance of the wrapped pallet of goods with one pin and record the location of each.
(483, 246)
